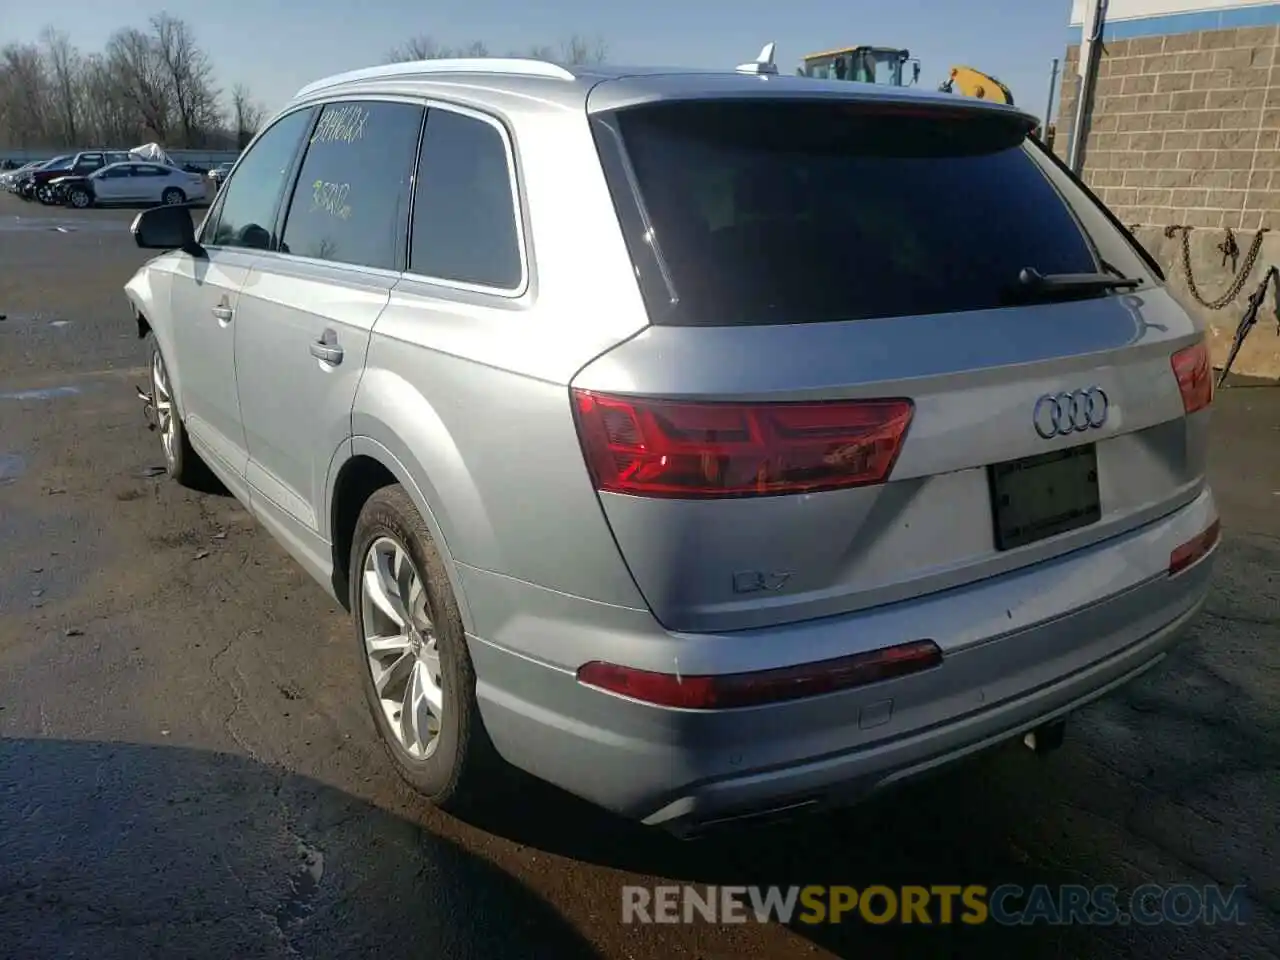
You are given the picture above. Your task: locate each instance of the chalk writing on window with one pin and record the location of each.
(331, 198)
(341, 125)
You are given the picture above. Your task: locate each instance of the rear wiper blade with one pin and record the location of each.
(1033, 281)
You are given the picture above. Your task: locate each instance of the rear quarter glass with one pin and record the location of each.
(773, 212)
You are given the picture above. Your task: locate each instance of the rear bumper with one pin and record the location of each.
(685, 770)
(848, 777)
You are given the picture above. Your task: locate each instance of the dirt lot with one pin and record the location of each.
(187, 768)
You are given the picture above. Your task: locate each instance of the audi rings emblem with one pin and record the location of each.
(1062, 414)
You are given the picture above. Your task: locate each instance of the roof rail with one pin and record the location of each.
(510, 66)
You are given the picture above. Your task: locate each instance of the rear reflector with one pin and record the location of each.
(722, 691)
(1194, 549)
(665, 448)
(1195, 376)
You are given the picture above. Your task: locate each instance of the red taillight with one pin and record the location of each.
(722, 691)
(1194, 549)
(1195, 376)
(666, 448)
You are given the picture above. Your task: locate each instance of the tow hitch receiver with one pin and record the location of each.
(1046, 738)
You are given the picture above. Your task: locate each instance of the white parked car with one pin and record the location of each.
(136, 182)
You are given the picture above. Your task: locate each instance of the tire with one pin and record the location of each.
(454, 771)
(172, 196)
(79, 198)
(45, 196)
(181, 462)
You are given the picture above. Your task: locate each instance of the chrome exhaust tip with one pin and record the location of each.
(1046, 738)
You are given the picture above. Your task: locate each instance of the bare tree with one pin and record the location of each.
(188, 76)
(423, 47)
(26, 94)
(575, 50)
(141, 73)
(64, 70)
(539, 52)
(157, 83)
(415, 48)
(246, 115)
(578, 49)
(109, 114)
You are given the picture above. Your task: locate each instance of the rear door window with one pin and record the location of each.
(773, 211)
(351, 201)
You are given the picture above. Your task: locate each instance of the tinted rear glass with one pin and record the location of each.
(791, 212)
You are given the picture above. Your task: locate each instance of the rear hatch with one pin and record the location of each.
(855, 389)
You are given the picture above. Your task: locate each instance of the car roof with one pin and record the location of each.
(602, 87)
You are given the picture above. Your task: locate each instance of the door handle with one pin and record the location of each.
(223, 314)
(326, 349)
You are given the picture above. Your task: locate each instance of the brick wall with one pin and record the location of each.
(1184, 128)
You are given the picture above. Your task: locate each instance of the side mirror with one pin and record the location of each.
(167, 227)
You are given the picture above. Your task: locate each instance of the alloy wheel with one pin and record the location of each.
(162, 398)
(401, 646)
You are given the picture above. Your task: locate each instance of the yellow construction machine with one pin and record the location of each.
(975, 83)
(863, 64)
(885, 65)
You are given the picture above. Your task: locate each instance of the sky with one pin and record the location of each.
(277, 48)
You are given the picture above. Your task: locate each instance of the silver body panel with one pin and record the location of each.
(463, 394)
(972, 377)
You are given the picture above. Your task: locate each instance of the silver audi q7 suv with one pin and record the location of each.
(710, 444)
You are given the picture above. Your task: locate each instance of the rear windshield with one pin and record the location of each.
(770, 211)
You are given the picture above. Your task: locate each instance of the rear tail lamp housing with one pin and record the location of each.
(1195, 549)
(667, 448)
(729, 690)
(1195, 376)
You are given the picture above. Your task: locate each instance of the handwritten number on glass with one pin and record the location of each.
(331, 198)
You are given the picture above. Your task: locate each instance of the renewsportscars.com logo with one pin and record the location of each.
(973, 904)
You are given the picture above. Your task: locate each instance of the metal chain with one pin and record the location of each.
(1237, 284)
(1229, 249)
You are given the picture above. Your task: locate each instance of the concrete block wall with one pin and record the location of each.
(1183, 127)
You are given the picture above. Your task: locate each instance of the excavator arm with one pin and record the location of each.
(975, 83)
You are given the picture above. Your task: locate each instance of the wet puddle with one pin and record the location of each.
(303, 886)
(12, 466)
(44, 393)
